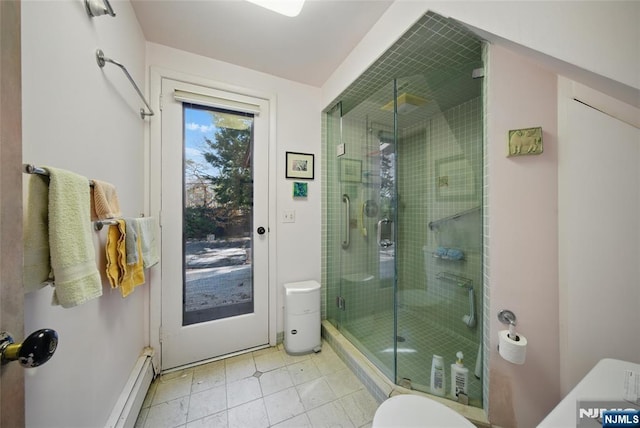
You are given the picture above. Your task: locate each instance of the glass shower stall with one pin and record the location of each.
(403, 201)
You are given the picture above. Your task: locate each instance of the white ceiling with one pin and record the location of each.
(307, 48)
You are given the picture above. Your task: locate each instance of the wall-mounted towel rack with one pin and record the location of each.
(101, 59)
(98, 225)
(436, 223)
(32, 169)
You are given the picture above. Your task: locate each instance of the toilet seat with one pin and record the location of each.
(407, 410)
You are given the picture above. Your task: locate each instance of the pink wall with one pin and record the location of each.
(523, 234)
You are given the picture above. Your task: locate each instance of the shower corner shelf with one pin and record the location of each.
(460, 281)
(450, 259)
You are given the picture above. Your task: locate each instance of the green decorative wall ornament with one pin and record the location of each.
(526, 141)
(299, 190)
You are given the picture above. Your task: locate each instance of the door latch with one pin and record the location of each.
(37, 348)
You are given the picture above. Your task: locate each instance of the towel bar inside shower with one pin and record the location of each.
(435, 224)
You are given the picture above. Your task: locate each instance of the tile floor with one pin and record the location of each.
(265, 388)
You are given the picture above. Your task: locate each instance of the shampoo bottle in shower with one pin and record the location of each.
(459, 377)
(437, 376)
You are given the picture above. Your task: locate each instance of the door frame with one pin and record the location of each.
(12, 393)
(153, 189)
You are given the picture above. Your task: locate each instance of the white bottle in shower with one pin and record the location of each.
(437, 376)
(459, 377)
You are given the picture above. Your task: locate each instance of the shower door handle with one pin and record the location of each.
(385, 233)
(346, 239)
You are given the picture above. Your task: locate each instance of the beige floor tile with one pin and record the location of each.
(207, 403)
(292, 359)
(275, 380)
(330, 415)
(315, 393)
(303, 371)
(269, 361)
(360, 407)
(172, 388)
(264, 351)
(283, 405)
(329, 363)
(209, 376)
(343, 382)
(249, 415)
(300, 421)
(260, 389)
(239, 367)
(219, 420)
(243, 391)
(168, 414)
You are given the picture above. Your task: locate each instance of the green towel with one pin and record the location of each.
(131, 240)
(36, 268)
(76, 278)
(147, 227)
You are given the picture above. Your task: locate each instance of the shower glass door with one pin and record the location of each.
(362, 228)
(439, 227)
(404, 259)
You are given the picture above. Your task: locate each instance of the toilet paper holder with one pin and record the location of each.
(507, 317)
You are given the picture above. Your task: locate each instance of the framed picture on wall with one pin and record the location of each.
(300, 190)
(454, 179)
(299, 165)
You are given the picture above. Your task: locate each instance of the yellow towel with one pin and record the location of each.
(113, 269)
(36, 268)
(120, 274)
(76, 279)
(104, 201)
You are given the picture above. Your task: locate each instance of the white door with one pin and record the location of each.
(214, 215)
(599, 245)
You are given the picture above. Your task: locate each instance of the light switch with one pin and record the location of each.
(289, 216)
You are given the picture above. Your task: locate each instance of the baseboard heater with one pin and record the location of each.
(126, 410)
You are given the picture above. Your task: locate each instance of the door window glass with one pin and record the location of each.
(218, 211)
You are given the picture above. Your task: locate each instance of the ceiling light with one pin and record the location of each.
(285, 7)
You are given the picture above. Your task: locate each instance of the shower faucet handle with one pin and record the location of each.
(37, 348)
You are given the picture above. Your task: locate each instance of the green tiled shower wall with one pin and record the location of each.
(440, 163)
(451, 138)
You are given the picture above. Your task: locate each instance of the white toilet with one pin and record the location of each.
(406, 410)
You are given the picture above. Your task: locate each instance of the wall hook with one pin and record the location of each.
(98, 8)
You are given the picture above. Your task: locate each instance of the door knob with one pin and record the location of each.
(36, 349)
(261, 230)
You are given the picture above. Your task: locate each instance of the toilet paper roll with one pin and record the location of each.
(512, 350)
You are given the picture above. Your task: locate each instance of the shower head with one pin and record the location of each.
(406, 103)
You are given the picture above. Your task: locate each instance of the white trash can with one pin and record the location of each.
(302, 317)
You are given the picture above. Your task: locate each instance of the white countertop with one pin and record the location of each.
(605, 382)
